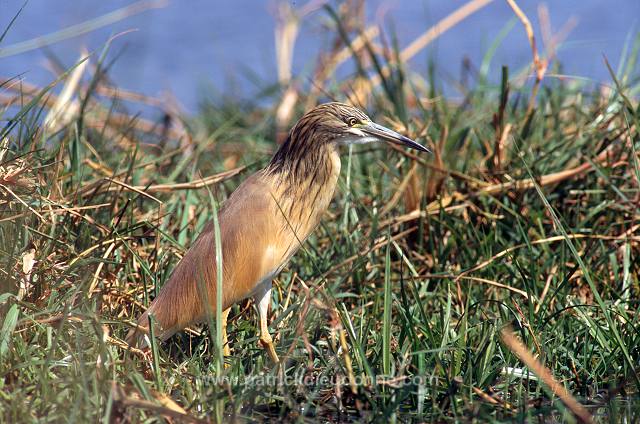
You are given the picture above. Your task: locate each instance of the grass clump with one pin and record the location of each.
(524, 216)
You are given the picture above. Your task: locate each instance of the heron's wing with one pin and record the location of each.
(254, 243)
(253, 249)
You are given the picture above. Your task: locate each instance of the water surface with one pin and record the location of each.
(191, 44)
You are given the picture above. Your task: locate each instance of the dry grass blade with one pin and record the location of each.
(87, 251)
(553, 178)
(96, 274)
(491, 400)
(165, 407)
(545, 375)
(436, 179)
(326, 67)
(379, 245)
(138, 189)
(15, 196)
(493, 189)
(500, 148)
(196, 184)
(441, 27)
(529, 183)
(193, 185)
(75, 212)
(284, 112)
(406, 180)
(28, 260)
(131, 96)
(545, 289)
(496, 284)
(553, 239)
(550, 40)
(286, 32)
(540, 65)
(357, 45)
(97, 116)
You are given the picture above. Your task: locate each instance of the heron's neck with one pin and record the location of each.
(305, 181)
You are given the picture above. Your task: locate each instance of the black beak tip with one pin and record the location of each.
(414, 145)
(385, 134)
(423, 149)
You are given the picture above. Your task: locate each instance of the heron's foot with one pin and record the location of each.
(267, 344)
(226, 353)
(226, 350)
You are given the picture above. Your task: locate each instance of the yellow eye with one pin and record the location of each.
(352, 121)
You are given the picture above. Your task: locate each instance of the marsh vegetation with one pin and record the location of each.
(404, 304)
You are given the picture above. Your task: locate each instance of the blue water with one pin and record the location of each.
(193, 44)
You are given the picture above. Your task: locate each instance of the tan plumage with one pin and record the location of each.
(265, 221)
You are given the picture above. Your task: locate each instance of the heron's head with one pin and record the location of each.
(331, 125)
(344, 124)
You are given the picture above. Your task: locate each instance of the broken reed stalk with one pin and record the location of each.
(460, 200)
(286, 32)
(539, 65)
(521, 351)
(327, 66)
(165, 406)
(195, 184)
(97, 116)
(424, 40)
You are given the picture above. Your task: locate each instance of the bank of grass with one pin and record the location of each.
(523, 217)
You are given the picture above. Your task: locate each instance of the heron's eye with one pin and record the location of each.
(352, 121)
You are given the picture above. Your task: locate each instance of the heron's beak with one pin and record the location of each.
(385, 134)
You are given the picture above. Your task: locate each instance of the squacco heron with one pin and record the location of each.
(264, 222)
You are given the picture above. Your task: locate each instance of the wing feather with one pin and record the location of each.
(254, 248)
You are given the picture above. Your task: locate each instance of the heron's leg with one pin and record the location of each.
(262, 299)
(225, 341)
